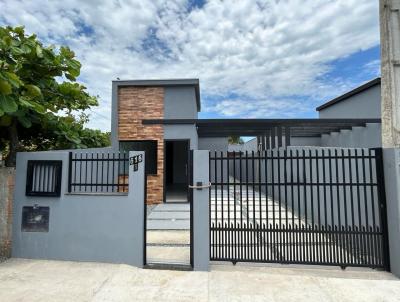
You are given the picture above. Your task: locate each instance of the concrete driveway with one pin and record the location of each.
(42, 280)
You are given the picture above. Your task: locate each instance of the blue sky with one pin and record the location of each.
(254, 58)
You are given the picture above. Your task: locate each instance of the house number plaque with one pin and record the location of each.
(135, 160)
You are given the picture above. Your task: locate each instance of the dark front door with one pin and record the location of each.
(176, 171)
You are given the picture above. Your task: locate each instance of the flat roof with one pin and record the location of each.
(254, 127)
(165, 83)
(349, 94)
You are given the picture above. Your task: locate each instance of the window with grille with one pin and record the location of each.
(43, 178)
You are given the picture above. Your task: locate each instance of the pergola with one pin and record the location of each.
(270, 132)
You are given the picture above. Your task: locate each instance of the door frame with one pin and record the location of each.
(165, 165)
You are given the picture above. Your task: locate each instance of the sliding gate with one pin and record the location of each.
(321, 206)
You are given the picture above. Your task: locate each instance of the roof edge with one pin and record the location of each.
(350, 93)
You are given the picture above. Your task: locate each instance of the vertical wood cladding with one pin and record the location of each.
(134, 105)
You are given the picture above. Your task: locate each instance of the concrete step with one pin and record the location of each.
(168, 237)
(168, 254)
(169, 215)
(168, 224)
(174, 207)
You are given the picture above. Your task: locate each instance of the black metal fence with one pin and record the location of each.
(98, 172)
(313, 206)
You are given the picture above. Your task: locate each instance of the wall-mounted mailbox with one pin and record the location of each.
(35, 219)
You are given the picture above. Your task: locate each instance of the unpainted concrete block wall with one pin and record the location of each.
(7, 178)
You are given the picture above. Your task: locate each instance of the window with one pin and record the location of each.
(43, 178)
(150, 149)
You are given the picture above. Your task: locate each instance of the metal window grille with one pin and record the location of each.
(43, 178)
(98, 172)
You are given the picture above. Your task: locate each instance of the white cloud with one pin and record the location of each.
(263, 52)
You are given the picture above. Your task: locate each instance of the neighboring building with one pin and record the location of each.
(361, 102)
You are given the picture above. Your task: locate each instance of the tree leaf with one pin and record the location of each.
(32, 105)
(33, 90)
(5, 87)
(13, 79)
(7, 104)
(19, 30)
(1, 112)
(25, 121)
(17, 50)
(26, 49)
(39, 51)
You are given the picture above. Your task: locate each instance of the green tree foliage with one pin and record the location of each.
(235, 140)
(39, 97)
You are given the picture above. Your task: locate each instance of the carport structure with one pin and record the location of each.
(267, 129)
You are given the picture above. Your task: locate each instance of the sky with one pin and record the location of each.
(254, 59)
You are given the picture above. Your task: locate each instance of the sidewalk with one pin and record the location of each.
(43, 280)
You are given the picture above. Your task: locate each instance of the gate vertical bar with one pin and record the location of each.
(382, 206)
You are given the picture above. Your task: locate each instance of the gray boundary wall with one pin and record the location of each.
(82, 227)
(201, 225)
(391, 164)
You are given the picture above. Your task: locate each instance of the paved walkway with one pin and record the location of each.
(43, 280)
(169, 216)
(168, 234)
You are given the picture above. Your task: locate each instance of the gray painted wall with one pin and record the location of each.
(201, 225)
(391, 163)
(180, 103)
(358, 137)
(82, 227)
(182, 132)
(305, 141)
(366, 104)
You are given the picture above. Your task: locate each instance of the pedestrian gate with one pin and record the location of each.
(321, 206)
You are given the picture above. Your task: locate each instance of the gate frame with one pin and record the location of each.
(379, 199)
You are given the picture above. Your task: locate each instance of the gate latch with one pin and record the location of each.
(199, 185)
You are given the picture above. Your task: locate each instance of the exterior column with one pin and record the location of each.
(390, 70)
(391, 166)
(137, 187)
(201, 224)
(390, 106)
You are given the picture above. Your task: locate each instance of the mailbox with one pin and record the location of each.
(35, 219)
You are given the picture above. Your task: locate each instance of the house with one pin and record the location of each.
(89, 205)
(166, 146)
(161, 118)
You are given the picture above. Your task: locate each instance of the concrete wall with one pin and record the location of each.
(358, 137)
(180, 103)
(391, 159)
(305, 141)
(366, 104)
(82, 227)
(213, 143)
(182, 132)
(201, 224)
(7, 177)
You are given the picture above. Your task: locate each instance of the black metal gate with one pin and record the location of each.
(321, 206)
